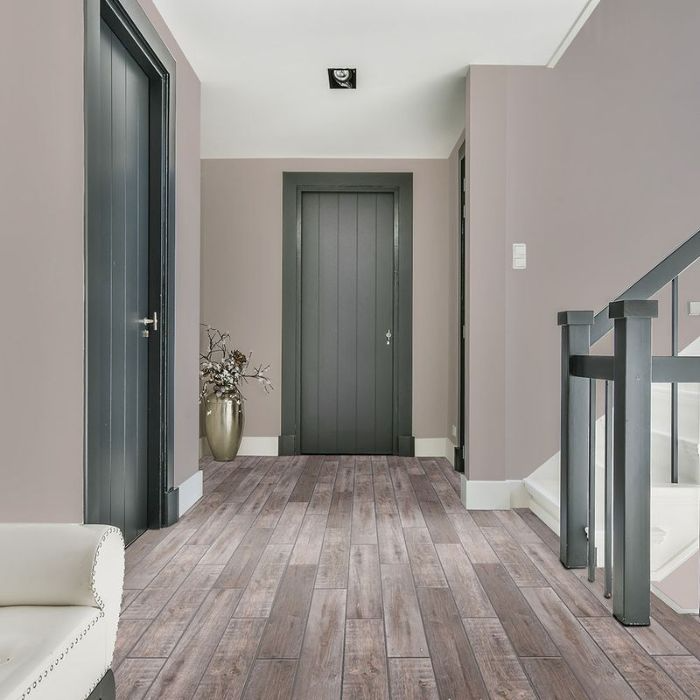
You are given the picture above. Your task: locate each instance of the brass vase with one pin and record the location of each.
(224, 419)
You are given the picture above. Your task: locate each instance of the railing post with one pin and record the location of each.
(575, 424)
(632, 456)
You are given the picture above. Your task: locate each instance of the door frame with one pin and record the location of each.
(294, 185)
(460, 450)
(132, 27)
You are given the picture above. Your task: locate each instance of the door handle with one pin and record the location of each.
(387, 335)
(149, 322)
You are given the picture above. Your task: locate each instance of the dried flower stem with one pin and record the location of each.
(222, 371)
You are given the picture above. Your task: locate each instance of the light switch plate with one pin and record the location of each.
(519, 256)
(694, 308)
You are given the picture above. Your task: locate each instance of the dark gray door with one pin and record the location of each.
(118, 267)
(347, 333)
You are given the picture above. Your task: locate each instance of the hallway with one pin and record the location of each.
(316, 577)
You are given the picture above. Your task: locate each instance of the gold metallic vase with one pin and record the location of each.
(224, 419)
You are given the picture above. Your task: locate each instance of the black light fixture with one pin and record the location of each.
(342, 78)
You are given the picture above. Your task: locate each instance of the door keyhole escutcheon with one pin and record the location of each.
(388, 337)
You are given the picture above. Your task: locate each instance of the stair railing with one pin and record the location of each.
(628, 375)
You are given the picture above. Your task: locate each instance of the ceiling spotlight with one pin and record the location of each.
(342, 78)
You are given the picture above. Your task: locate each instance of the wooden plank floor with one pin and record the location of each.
(364, 577)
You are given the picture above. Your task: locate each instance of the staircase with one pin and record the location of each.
(624, 492)
(675, 565)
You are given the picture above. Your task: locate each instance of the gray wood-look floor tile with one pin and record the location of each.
(364, 582)
(552, 678)
(364, 577)
(456, 671)
(271, 679)
(640, 670)
(499, 665)
(589, 663)
(227, 672)
(412, 679)
(365, 672)
(320, 670)
(405, 635)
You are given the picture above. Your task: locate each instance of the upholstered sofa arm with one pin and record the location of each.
(61, 564)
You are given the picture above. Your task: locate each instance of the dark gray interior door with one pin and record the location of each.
(118, 265)
(347, 329)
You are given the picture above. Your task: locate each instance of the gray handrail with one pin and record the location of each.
(655, 280)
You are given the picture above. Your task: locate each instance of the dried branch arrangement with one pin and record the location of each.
(223, 370)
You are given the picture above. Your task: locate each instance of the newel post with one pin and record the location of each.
(632, 456)
(575, 425)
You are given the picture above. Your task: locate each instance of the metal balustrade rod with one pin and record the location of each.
(608, 487)
(592, 557)
(674, 385)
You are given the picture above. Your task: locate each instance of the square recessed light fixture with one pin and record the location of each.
(342, 78)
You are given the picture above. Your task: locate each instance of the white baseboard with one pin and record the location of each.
(435, 447)
(250, 446)
(259, 446)
(190, 491)
(268, 446)
(494, 495)
(544, 515)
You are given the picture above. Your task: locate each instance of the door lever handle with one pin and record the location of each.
(387, 335)
(149, 322)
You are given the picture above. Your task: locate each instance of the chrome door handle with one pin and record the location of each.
(387, 335)
(149, 322)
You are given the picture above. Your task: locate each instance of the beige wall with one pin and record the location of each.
(242, 273)
(41, 261)
(596, 166)
(682, 586)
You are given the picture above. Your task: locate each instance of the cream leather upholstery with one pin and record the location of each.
(60, 593)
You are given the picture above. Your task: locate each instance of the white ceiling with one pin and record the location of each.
(263, 65)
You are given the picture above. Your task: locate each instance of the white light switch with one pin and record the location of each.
(519, 256)
(694, 308)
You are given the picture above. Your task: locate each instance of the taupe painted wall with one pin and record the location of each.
(242, 273)
(595, 164)
(681, 586)
(41, 260)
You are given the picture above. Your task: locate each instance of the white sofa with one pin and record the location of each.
(60, 594)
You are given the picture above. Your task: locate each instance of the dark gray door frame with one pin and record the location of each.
(130, 24)
(401, 185)
(460, 450)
